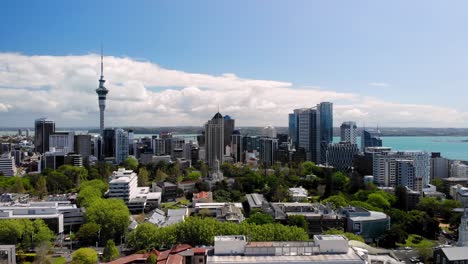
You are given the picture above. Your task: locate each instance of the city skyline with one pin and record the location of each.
(164, 72)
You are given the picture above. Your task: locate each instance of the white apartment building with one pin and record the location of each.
(123, 184)
(459, 170)
(385, 167)
(7, 165)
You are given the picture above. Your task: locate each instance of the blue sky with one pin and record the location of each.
(406, 52)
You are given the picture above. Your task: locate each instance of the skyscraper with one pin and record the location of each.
(348, 132)
(43, 128)
(108, 141)
(102, 93)
(237, 146)
(268, 151)
(370, 138)
(229, 124)
(121, 145)
(292, 128)
(325, 110)
(214, 140)
(308, 127)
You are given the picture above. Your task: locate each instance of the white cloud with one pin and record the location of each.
(145, 94)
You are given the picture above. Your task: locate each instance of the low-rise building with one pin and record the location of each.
(254, 201)
(187, 186)
(323, 249)
(60, 216)
(298, 194)
(169, 191)
(369, 224)
(451, 255)
(202, 197)
(319, 217)
(230, 213)
(173, 216)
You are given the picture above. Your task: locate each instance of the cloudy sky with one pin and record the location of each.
(173, 62)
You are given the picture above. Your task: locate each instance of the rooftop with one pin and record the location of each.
(455, 253)
(229, 238)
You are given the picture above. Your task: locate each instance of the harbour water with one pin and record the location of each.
(449, 147)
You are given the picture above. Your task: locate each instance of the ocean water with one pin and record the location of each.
(449, 147)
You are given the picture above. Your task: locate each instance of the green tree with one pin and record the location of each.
(438, 183)
(88, 234)
(340, 181)
(112, 215)
(396, 234)
(430, 205)
(143, 237)
(88, 195)
(110, 251)
(336, 200)
(299, 221)
(74, 173)
(41, 187)
(143, 177)
(18, 187)
(57, 182)
(193, 176)
(378, 200)
(152, 259)
(85, 256)
(98, 184)
(160, 176)
(204, 170)
(260, 219)
(131, 163)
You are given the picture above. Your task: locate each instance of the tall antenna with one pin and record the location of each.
(102, 63)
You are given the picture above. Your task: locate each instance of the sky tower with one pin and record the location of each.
(102, 92)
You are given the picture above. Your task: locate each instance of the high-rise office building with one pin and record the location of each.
(102, 93)
(83, 146)
(62, 142)
(268, 151)
(229, 124)
(214, 140)
(309, 133)
(370, 138)
(293, 128)
(108, 142)
(439, 166)
(348, 132)
(43, 128)
(325, 110)
(341, 155)
(121, 145)
(237, 146)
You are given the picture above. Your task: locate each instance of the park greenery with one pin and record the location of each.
(25, 233)
(201, 231)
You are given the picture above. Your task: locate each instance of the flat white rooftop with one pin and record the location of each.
(350, 258)
(229, 238)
